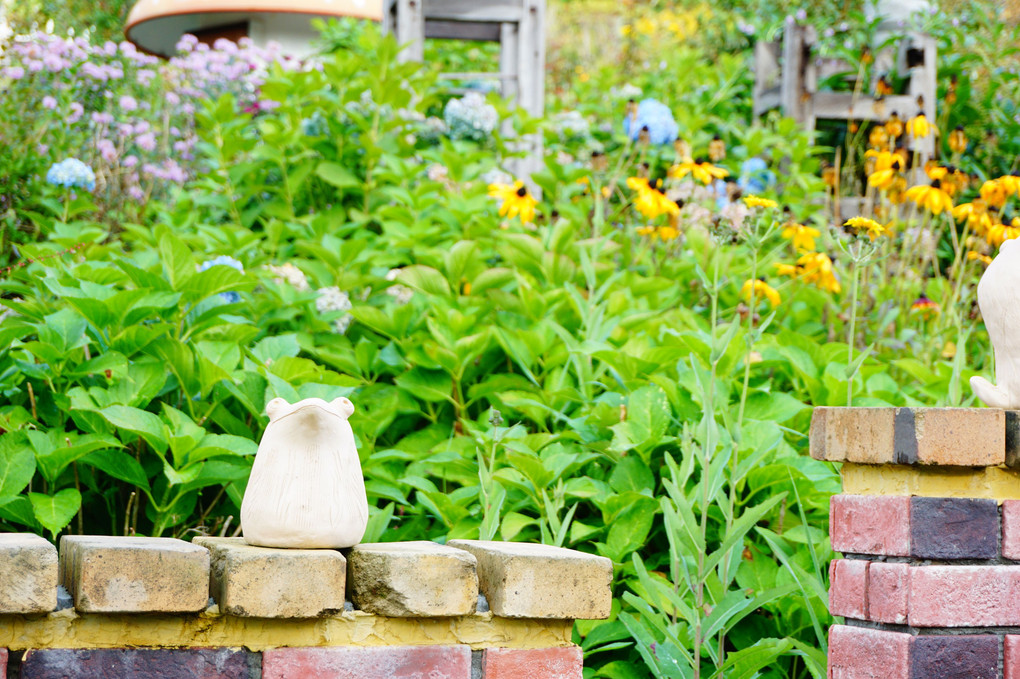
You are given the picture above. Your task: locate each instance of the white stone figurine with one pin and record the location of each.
(306, 489)
(999, 298)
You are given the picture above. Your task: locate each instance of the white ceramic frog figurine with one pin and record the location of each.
(306, 489)
(999, 298)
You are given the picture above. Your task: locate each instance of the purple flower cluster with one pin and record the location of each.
(126, 114)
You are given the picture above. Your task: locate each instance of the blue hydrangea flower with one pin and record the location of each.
(72, 174)
(224, 260)
(755, 176)
(656, 116)
(470, 117)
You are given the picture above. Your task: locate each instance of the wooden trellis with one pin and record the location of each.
(517, 25)
(787, 74)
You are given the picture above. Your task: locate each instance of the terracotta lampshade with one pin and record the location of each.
(156, 25)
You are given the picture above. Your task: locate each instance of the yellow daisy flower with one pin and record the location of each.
(756, 201)
(701, 170)
(761, 290)
(994, 192)
(932, 197)
(802, 237)
(517, 202)
(873, 228)
(918, 127)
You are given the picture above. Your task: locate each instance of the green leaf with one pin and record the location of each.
(54, 512)
(337, 175)
(119, 465)
(140, 422)
(631, 473)
(17, 464)
(425, 279)
(428, 385)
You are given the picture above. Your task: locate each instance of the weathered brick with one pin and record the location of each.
(964, 596)
(28, 574)
(863, 653)
(118, 663)
(888, 591)
(848, 588)
(522, 580)
(1011, 529)
(863, 435)
(376, 662)
(1011, 657)
(967, 437)
(259, 582)
(543, 663)
(955, 657)
(954, 528)
(870, 524)
(1012, 438)
(134, 575)
(412, 579)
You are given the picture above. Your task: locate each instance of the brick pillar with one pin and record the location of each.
(929, 525)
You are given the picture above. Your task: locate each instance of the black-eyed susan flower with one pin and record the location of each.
(873, 228)
(878, 138)
(789, 270)
(758, 201)
(517, 202)
(759, 289)
(638, 184)
(682, 148)
(646, 230)
(979, 257)
(958, 140)
(925, 308)
(652, 203)
(716, 149)
(700, 169)
(883, 88)
(918, 127)
(802, 237)
(667, 233)
(935, 171)
(1011, 183)
(931, 197)
(894, 126)
(886, 166)
(829, 175)
(994, 193)
(815, 268)
(1000, 233)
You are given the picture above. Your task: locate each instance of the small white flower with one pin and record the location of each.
(290, 274)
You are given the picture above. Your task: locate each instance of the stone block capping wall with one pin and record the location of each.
(218, 608)
(929, 525)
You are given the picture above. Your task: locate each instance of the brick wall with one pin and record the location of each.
(929, 526)
(221, 609)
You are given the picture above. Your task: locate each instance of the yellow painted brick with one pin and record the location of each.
(67, 629)
(996, 483)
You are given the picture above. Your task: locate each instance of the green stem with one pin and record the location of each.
(851, 339)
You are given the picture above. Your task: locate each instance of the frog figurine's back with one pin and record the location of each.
(999, 298)
(306, 489)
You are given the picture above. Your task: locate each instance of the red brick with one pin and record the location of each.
(543, 663)
(377, 662)
(862, 653)
(127, 663)
(955, 657)
(3, 663)
(1011, 529)
(964, 596)
(1011, 657)
(870, 524)
(848, 588)
(888, 591)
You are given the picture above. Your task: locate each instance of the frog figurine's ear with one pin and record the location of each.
(344, 406)
(276, 408)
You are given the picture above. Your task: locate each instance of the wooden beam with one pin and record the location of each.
(846, 106)
(462, 30)
(494, 11)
